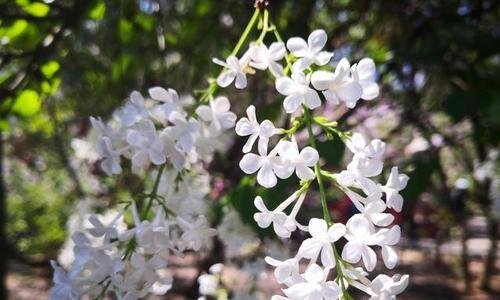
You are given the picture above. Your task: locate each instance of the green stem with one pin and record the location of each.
(326, 214)
(246, 32)
(152, 196)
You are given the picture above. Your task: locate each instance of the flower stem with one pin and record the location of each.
(326, 214)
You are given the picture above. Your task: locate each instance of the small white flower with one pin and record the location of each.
(395, 183)
(321, 241)
(310, 52)
(372, 208)
(287, 271)
(62, 284)
(196, 234)
(297, 92)
(264, 163)
(315, 286)
(146, 144)
(134, 110)
(169, 103)
(360, 235)
(109, 232)
(235, 70)
(265, 218)
(250, 126)
(208, 284)
(263, 58)
(183, 132)
(295, 161)
(384, 287)
(338, 86)
(217, 114)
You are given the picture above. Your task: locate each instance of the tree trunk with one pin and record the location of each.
(3, 222)
(489, 268)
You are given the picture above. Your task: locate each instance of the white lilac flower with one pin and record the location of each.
(395, 183)
(169, 100)
(372, 207)
(196, 234)
(217, 114)
(283, 225)
(366, 162)
(234, 71)
(144, 270)
(146, 145)
(364, 73)
(183, 132)
(293, 160)
(315, 286)
(297, 92)
(287, 271)
(62, 284)
(264, 163)
(384, 287)
(338, 86)
(321, 241)
(263, 58)
(311, 51)
(251, 127)
(134, 110)
(360, 235)
(110, 157)
(98, 229)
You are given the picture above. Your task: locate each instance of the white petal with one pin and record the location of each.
(389, 256)
(314, 274)
(241, 80)
(322, 80)
(286, 86)
(221, 104)
(323, 58)
(277, 51)
(263, 219)
(304, 172)
(159, 93)
(266, 176)
(309, 156)
(266, 129)
(327, 258)
(250, 163)
(204, 112)
(309, 248)
(317, 227)
(366, 69)
(336, 232)
(351, 252)
(244, 127)
(259, 204)
(370, 90)
(225, 78)
(292, 103)
(350, 92)
(317, 40)
(312, 99)
(297, 46)
(369, 258)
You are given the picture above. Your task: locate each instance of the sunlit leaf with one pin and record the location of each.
(37, 9)
(98, 11)
(50, 68)
(27, 103)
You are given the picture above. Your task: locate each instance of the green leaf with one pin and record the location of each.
(16, 29)
(27, 103)
(50, 68)
(37, 9)
(98, 11)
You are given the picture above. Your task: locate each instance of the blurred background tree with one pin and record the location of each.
(63, 61)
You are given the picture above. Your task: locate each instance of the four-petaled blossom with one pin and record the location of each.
(196, 234)
(217, 114)
(321, 241)
(134, 110)
(311, 51)
(169, 100)
(389, 238)
(396, 183)
(235, 71)
(286, 271)
(360, 235)
(293, 160)
(264, 163)
(384, 287)
(338, 86)
(110, 157)
(315, 286)
(265, 218)
(250, 126)
(297, 92)
(263, 58)
(146, 144)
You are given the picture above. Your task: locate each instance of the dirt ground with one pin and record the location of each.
(429, 279)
